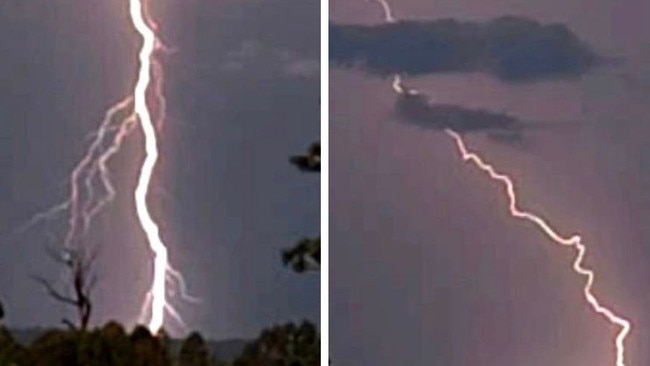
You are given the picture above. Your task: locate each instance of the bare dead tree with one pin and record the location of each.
(79, 270)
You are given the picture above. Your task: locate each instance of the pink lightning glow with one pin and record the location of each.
(87, 198)
(574, 241)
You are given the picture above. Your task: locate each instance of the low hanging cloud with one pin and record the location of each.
(504, 128)
(416, 109)
(510, 48)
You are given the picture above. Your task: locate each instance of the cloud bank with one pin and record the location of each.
(510, 48)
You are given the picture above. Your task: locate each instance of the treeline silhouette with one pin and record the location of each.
(111, 345)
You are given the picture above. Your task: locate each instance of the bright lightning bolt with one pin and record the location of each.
(158, 288)
(574, 241)
(87, 199)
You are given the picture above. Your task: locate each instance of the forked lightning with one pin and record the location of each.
(91, 188)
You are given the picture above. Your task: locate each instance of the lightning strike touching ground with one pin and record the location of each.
(87, 198)
(158, 287)
(574, 242)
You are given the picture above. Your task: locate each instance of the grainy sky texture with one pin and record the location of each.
(427, 267)
(243, 92)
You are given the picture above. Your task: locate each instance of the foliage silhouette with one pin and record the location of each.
(107, 346)
(193, 351)
(305, 255)
(284, 345)
(309, 162)
(11, 353)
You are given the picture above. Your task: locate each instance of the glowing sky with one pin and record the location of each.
(448, 278)
(240, 72)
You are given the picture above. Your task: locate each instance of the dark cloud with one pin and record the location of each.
(511, 48)
(419, 110)
(416, 109)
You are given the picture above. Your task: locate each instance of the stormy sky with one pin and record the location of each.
(427, 268)
(243, 95)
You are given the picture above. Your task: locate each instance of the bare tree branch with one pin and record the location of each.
(53, 292)
(68, 323)
(79, 265)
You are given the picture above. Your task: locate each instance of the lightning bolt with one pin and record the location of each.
(91, 188)
(385, 7)
(158, 287)
(574, 241)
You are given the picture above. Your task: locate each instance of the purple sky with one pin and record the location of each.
(226, 196)
(428, 268)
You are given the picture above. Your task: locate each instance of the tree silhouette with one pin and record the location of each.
(305, 255)
(54, 348)
(284, 345)
(111, 345)
(148, 350)
(309, 162)
(193, 351)
(11, 353)
(78, 264)
(120, 348)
